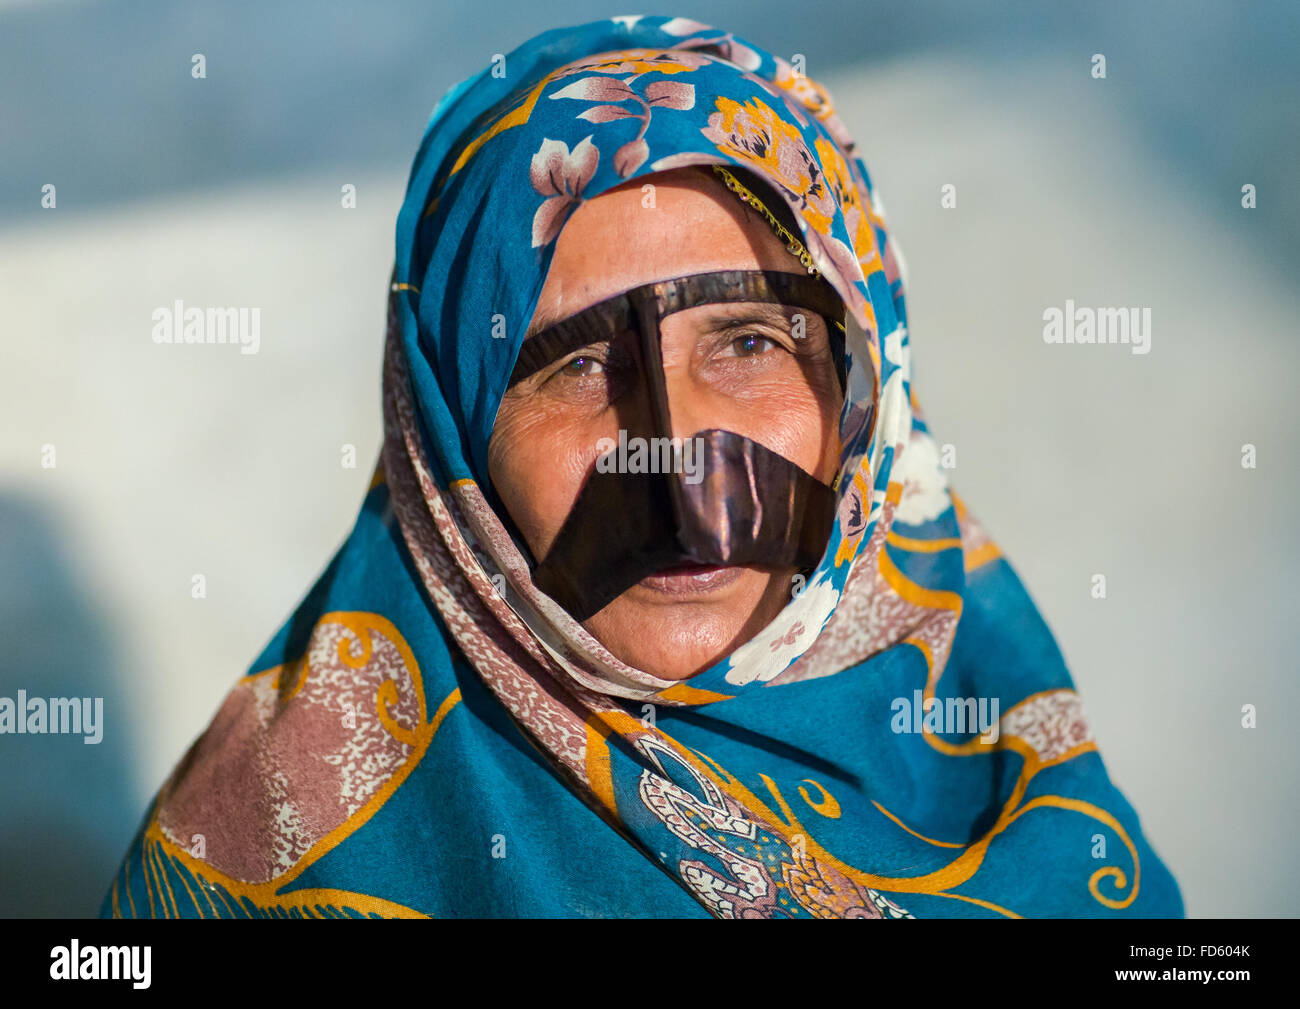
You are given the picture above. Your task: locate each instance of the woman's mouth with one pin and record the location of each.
(691, 579)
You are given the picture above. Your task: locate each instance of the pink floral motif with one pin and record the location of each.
(788, 638)
(725, 45)
(759, 136)
(658, 94)
(561, 176)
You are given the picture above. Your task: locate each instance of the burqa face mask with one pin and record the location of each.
(714, 498)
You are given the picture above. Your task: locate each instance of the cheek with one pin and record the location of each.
(799, 422)
(537, 463)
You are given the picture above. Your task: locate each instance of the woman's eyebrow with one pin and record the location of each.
(724, 315)
(541, 321)
(761, 312)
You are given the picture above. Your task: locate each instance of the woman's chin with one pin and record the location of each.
(680, 622)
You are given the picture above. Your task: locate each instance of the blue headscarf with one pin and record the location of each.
(430, 734)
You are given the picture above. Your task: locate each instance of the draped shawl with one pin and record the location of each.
(429, 734)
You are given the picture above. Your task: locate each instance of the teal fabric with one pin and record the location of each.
(378, 758)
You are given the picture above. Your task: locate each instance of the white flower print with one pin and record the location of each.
(925, 487)
(785, 638)
(561, 176)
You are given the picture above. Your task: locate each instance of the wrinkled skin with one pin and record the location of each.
(756, 379)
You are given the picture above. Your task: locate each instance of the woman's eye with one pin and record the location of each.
(752, 344)
(581, 367)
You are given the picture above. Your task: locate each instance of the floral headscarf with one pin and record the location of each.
(431, 734)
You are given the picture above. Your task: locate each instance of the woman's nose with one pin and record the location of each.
(691, 408)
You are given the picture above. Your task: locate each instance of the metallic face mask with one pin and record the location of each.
(738, 503)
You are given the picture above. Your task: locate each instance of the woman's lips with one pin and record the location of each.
(691, 579)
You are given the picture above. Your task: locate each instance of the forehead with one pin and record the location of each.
(654, 228)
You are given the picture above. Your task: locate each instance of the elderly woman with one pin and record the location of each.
(659, 603)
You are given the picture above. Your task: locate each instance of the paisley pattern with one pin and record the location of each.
(552, 778)
(297, 758)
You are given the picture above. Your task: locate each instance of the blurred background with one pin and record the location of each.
(171, 462)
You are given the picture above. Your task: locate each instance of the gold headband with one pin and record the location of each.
(792, 243)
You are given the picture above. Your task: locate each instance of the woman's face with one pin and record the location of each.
(725, 365)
